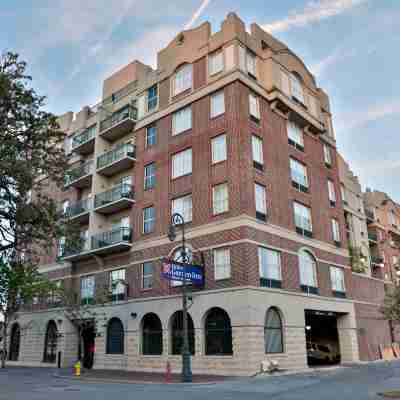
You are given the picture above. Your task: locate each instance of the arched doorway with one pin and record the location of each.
(15, 342)
(152, 340)
(50, 343)
(176, 329)
(218, 333)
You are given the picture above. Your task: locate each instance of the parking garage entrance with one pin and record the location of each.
(322, 338)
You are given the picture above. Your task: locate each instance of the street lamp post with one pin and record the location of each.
(177, 220)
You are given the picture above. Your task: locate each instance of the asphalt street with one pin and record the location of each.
(359, 382)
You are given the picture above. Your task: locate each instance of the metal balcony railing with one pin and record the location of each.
(372, 236)
(78, 172)
(377, 260)
(126, 150)
(122, 191)
(79, 207)
(127, 112)
(110, 238)
(83, 137)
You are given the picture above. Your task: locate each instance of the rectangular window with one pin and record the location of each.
(295, 136)
(152, 98)
(183, 206)
(117, 284)
(302, 217)
(182, 120)
(254, 107)
(332, 193)
(217, 106)
(222, 264)
(215, 63)
(151, 136)
(299, 176)
(61, 247)
(149, 176)
(220, 198)
(261, 202)
(393, 218)
(257, 150)
(149, 219)
(337, 279)
(343, 193)
(87, 289)
(251, 64)
(183, 80)
(335, 231)
(297, 88)
(147, 275)
(182, 163)
(327, 155)
(270, 267)
(218, 149)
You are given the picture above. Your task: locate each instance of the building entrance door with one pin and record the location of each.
(87, 346)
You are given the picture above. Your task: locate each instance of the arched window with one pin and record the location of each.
(308, 272)
(50, 343)
(152, 340)
(177, 333)
(115, 337)
(297, 87)
(218, 333)
(273, 335)
(15, 342)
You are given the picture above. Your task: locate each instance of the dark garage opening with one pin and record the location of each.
(322, 338)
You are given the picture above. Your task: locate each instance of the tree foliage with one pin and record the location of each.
(391, 304)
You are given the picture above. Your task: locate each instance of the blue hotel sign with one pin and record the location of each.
(176, 271)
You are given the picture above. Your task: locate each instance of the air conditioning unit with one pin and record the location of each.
(269, 366)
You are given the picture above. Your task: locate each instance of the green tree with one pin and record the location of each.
(391, 304)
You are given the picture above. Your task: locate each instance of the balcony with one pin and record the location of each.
(377, 261)
(372, 237)
(115, 161)
(79, 177)
(83, 143)
(118, 198)
(119, 123)
(79, 211)
(105, 243)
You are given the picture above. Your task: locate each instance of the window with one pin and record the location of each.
(61, 247)
(393, 218)
(147, 275)
(217, 101)
(182, 120)
(327, 155)
(297, 88)
(183, 79)
(218, 149)
(261, 201)
(337, 281)
(270, 267)
(343, 193)
(65, 207)
(254, 107)
(218, 333)
(177, 333)
(295, 136)
(273, 332)
(220, 198)
(152, 342)
(149, 176)
(152, 98)
(299, 176)
(257, 150)
(222, 264)
(335, 231)
(308, 272)
(302, 218)
(68, 145)
(117, 285)
(332, 193)
(87, 289)
(149, 219)
(216, 63)
(115, 337)
(151, 135)
(251, 64)
(50, 343)
(183, 206)
(182, 163)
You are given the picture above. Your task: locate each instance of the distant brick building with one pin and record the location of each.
(231, 131)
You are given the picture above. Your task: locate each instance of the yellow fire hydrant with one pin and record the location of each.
(77, 368)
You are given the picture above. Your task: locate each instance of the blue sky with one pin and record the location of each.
(352, 46)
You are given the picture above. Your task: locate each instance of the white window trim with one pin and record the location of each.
(221, 65)
(177, 174)
(189, 69)
(152, 219)
(215, 146)
(213, 97)
(334, 275)
(263, 208)
(257, 143)
(183, 113)
(226, 266)
(279, 265)
(254, 113)
(215, 211)
(182, 211)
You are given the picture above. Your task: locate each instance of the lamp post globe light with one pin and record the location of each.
(177, 221)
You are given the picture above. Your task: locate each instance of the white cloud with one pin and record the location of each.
(314, 11)
(197, 14)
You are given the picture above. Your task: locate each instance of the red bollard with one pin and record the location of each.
(168, 373)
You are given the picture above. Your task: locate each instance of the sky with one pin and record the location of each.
(351, 46)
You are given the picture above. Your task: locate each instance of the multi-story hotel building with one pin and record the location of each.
(231, 131)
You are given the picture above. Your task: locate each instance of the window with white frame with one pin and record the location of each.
(251, 64)
(295, 136)
(151, 135)
(218, 148)
(308, 270)
(270, 266)
(331, 193)
(393, 218)
(216, 62)
(297, 88)
(117, 284)
(343, 193)
(298, 172)
(257, 151)
(147, 275)
(183, 79)
(182, 120)
(183, 206)
(61, 247)
(220, 198)
(149, 176)
(182, 163)
(261, 201)
(337, 279)
(65, 207)
(302, 217)
(152, 98)
(222, 264)
(87, 289)
(217, 104)
(149, 219)
(335, 230)
(327, 155)
(254, 106)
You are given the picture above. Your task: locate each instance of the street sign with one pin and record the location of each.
(177, 271)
